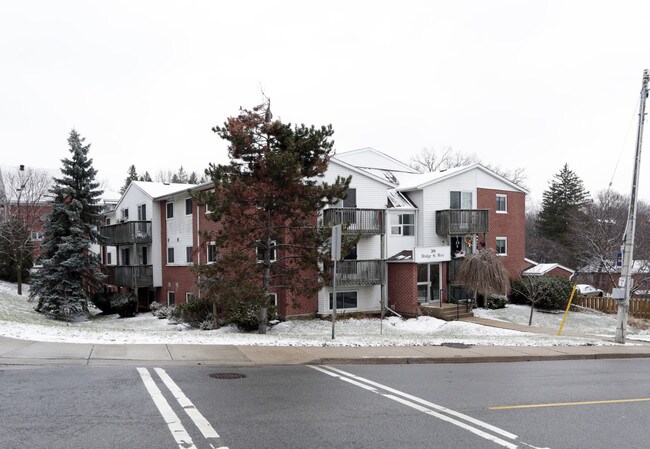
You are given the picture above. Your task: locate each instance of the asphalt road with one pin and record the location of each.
(565, 404)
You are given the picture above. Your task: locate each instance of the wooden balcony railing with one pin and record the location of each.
(126, 233)
(130, 275)
(461, 221)
(359, 272)
(362, 221)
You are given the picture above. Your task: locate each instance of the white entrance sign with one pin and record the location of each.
(432, 254)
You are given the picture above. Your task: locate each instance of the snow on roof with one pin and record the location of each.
(369, 158)
(543, 268)
(161, 189)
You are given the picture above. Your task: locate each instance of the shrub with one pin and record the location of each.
(124, 305)
(497, 301)
(545, 292)
(246, 315)
(194, 312)
(102, 300)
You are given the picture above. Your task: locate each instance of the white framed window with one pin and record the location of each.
(344, 300)
(170, 255)
(460, 200)
(211, 256)
(38, 236)
(125, 214)
(502, 246)
(273, 299)
(171, 298)
(402, 224)
(170, 210)
(142, 212)
(260, 252)
(189, 296)
(188, 206)
(189, 254)
(502, 203)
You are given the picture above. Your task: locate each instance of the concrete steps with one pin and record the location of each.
(447, 312)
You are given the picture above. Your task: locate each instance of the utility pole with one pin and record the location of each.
(622, 294)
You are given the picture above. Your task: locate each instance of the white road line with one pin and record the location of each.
(431, 405)
(203, 425)
(453, 421)
(178, 431)
(424, 406)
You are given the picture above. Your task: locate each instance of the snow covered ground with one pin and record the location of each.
(18, 320)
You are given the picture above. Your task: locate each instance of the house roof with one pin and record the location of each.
(545, 268)
(370, 159)
(638, 266)
(361, 171)
(155, 190)
(410, 181)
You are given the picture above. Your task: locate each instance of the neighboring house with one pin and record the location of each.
(132, 249)
(548, 269)
(606, 275)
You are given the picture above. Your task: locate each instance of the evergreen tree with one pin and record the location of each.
(266, 202)
(71, 271)
(564, 198)
(132, 175)
(193, 179)
(146, 177)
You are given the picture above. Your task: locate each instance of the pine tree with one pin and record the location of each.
(146, 177)
(561, 203)
(132, 175)
(71, 271)
(266, 202)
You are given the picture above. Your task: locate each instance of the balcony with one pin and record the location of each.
(126, 233)
(355, 221)
(359, 272)
(130, 275)
(461, 221)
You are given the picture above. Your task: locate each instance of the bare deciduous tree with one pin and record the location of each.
(25, 200)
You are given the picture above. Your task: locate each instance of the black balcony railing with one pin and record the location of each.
(126, 233)
(363, 221)
(359, 272)
(130, 275)
(461, 221)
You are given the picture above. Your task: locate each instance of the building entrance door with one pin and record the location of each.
(428, 282)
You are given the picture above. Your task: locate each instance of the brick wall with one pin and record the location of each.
(511, 225)
(403, 288)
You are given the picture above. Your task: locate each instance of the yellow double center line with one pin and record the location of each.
(567, 404)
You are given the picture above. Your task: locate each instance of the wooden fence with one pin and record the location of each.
(639, 308)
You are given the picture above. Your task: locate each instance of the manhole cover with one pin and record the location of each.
(227, 375)
(457, 345)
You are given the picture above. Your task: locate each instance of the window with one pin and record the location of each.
(37, 236)
(142, 212)
(460, 200)
(402, 224)
(189, 296)
(212, 252)
(260, 252)
(125, 214)
(502, 204)
(344, 300)
(188, 206)
(502, 246)
(170, 255)
(171, 298)
(351, 198)
(273, 299)
(108, 221)
(189, 253)
(170, 210)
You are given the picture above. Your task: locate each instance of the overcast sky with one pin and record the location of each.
(532, 84)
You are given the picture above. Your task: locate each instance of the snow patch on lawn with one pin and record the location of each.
(19, 320)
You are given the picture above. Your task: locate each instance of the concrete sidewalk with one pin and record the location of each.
(24, 352)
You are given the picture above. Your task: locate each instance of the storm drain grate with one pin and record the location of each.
(456, 345)
(227, 375)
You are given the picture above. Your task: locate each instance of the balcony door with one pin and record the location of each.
(428, 282)
(143, 256)
(142, 217)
